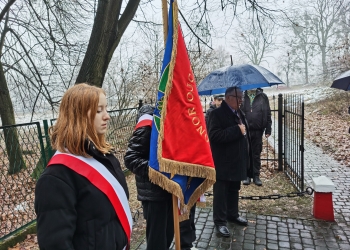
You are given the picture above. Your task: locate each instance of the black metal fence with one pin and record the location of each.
(285, 147)
(293, 139)
(21, 152)
(24, 153)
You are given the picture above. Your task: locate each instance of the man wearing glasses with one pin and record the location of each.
(230, 145)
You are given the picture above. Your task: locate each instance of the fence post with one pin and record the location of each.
(302, 144)
(140, 104)
(47, 138)
(280, 132)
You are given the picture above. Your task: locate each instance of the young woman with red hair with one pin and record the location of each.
(81, 198)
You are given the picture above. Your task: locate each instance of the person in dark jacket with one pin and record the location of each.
(216, 103)
(73, 211)
(156, 202)
(256, 107)
(230, 145)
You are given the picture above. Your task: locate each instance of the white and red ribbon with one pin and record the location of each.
(102, 179)
(144, 120)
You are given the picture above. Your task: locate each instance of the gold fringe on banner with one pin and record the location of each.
(172, 187)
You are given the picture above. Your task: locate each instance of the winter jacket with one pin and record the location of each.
(136, 159)
(73, 214)
(258, 114)
(207, 113)
(230, 148)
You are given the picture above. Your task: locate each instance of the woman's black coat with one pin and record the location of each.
(231, 150)
(73, 214)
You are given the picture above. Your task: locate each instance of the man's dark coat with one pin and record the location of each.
(230, 148)
(258, 113)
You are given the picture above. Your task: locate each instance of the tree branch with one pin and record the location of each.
(6, 8)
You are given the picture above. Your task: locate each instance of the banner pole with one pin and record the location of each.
(165, 19)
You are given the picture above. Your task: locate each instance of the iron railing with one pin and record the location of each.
(293, 139)
(21, 153)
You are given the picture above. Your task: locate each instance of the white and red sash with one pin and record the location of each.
(102, 179)
(144, 120)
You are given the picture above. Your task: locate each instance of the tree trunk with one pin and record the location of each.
(287, 77)
(324, 63)
(306, 71)
(13, 149)
(106, 33)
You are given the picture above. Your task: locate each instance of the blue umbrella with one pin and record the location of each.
(244, 76)
(342, 81)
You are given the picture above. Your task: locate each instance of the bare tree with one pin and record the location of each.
(340, 49)
(303, 45)
(122, 81)
(324, 17)
(41, 49)
(111, 21)
(286, 67)
(207, 60)
(254, 41)
(35, 51)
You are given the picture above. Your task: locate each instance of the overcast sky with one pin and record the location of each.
(223, 30)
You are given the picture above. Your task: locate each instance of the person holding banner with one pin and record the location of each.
(230, 143)
(81, 198)
(156, 202)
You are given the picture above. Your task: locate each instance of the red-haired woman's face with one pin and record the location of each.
(102, 116)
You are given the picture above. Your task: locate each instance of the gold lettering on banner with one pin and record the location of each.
(192, 110)
(190, 86)
(195, 123)
(190, 96)
(200, 130)
(190, 77)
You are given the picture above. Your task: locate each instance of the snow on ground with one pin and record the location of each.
(311, 93)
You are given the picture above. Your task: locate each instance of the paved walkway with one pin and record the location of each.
(276, 232)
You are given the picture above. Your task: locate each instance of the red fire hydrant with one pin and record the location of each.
(323, 201)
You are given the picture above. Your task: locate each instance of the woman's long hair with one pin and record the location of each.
(74, 126)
